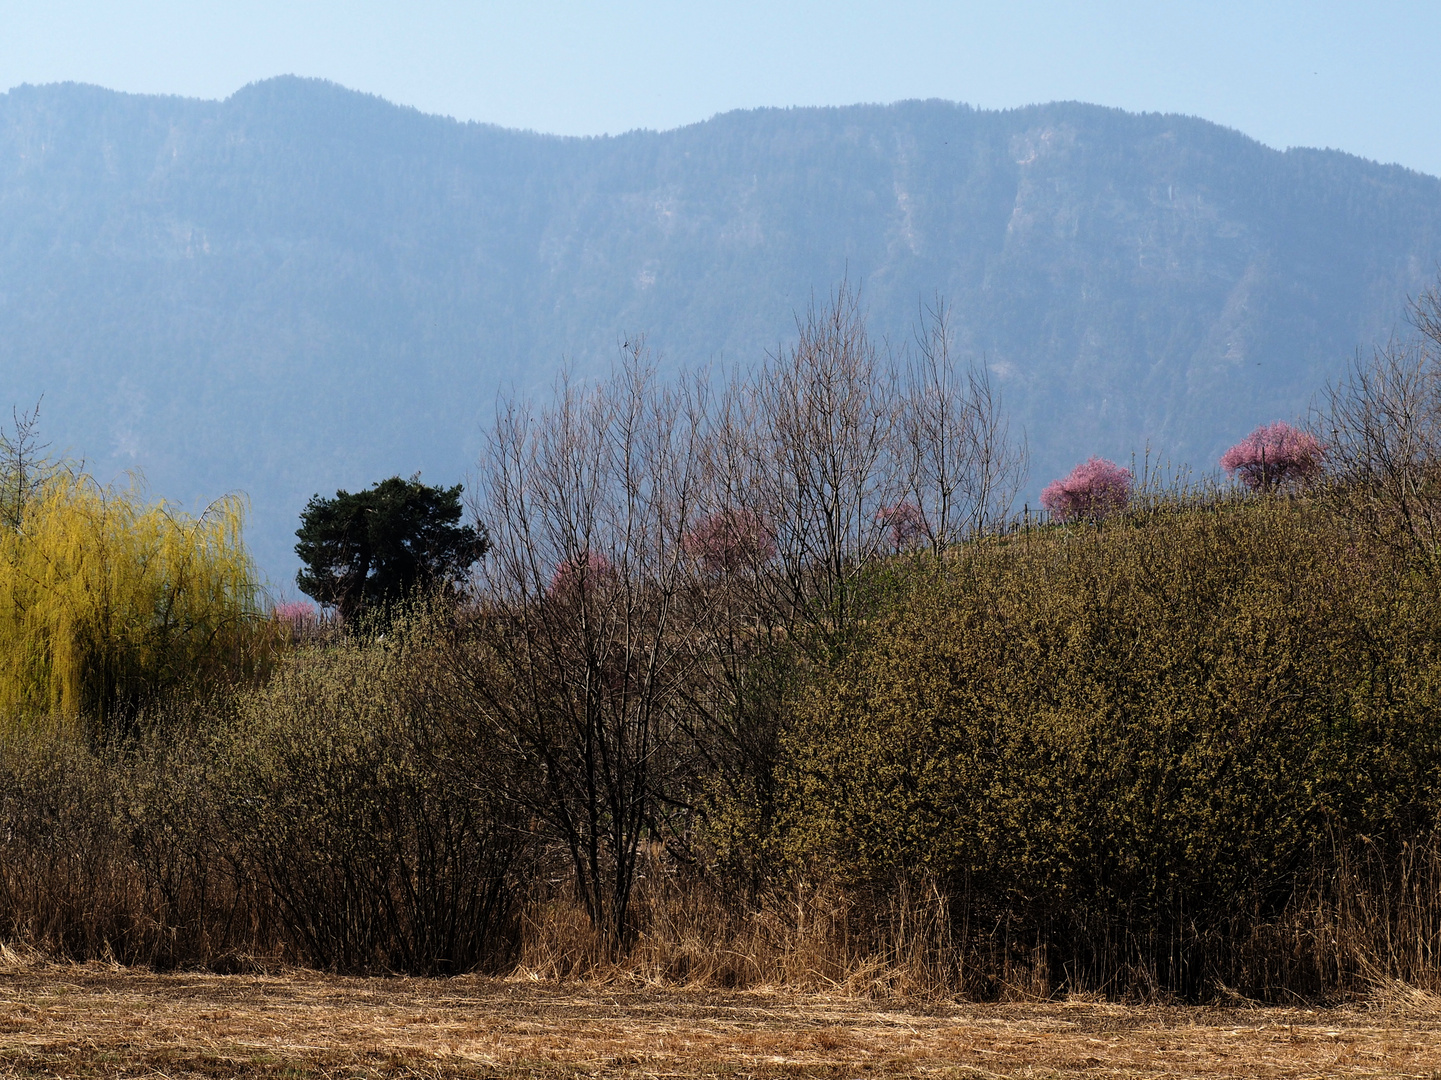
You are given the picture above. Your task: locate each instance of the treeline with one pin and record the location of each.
(768, 683)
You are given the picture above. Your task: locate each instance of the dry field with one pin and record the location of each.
(93, 1021)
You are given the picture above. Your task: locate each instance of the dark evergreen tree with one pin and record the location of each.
(381, 545)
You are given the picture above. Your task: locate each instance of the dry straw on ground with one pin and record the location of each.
(94, 1020)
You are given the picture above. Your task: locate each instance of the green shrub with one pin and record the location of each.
(345, 803)
(114, 852)
(319, 819)
(1127, 746)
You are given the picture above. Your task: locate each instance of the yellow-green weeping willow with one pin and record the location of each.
(107, 597)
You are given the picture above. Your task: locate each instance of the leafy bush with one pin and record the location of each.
(344, 805)
(1128, 748)
(319, 819)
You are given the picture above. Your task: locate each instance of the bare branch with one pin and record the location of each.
(23, 464)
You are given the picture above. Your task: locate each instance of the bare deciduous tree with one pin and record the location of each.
(587, 651)
(23, 466)
(1382, 427)
(964, 469)
(808, 446)
(660, 561)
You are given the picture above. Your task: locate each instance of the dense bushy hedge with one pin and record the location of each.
(1194, 746)
(1129, 745)
(343, 804)
(320, 819)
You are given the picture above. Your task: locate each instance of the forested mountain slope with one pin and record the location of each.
(303, 287)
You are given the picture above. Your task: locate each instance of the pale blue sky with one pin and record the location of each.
(1361, 77)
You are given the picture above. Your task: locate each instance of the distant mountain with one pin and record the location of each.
(302, 287)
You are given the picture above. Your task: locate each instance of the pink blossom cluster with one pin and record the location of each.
(298, 616)
(1273, 455)
(1092, 490)
(728, 540)
(906, 522)
(580, 573)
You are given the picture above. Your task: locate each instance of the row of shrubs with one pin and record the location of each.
(1143, 748)
(771, 687)
(1194, 749)
(320, 819)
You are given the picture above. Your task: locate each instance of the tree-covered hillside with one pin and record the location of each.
(303, 288)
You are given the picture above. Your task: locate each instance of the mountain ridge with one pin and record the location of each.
(302, 287)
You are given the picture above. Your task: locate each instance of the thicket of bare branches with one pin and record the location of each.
(653, 544)
(963, 467)
(585, 652)
(1381, 425)
(23, 466)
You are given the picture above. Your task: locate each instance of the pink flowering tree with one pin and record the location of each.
(298, 618)
(906, 524)
(578, 575)
(729, 540)
(1274, 455)
(1091, 491)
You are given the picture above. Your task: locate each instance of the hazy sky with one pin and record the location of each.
(1361, 77)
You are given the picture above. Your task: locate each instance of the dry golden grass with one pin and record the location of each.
(93, 1020)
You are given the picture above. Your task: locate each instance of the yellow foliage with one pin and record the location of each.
(106, 597)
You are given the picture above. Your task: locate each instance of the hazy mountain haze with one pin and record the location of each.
(302, 287)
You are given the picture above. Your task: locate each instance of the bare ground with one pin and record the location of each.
(94, 1021)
